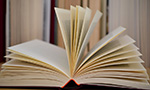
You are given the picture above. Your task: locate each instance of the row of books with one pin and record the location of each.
(134, 15)
(112, 62)
(30, 19)
(36, 19)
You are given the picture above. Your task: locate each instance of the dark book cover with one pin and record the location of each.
(52, 22)
(2, 29)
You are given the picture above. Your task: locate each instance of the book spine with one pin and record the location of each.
(2, 29)
(60, 43)
(7, 31)
(52, 27)
(95, 37)
(26, 20)
(103, 26)
(85, 4)
(46, 21)
(56, 24)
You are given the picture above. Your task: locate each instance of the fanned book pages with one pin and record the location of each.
(113, 62)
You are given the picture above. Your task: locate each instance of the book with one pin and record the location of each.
(26, 21)
(52, 25)
(136, 19)
(95, 37)
(46, 20)
(112, 62)
(7, 28)
(2, 29)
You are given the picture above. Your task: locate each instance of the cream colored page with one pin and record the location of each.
(81, 15)
(124, 50)
(143, 84)
(30, 82)
(124, 61)
(85, 27)
(73, 11)
(30, 60)
(44, 52)
(112, 47)
(140, 74)
(116, 62)
(74, 35)
(72, 22)
(121, 57)
(126, 67)
(101, 44)
(31, 74)
(104, 41)
(87, 36)
(129, 67)
(14, 63)
(19, 65)
(22, 74)
(63, 17)
(31, 79)
(116, 75)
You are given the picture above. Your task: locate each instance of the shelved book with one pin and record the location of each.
(113, 62)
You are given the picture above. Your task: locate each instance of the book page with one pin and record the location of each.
(121, 57)
(30, 60)
(116, 74)
(19, 73)
(85, 27)
(80, 18)
(101, 44)
(132, 67)
(74, 36)
(123, 61)
(96, 18)
(123, 50)
(141, 84)
(30, 74)
(72, 22)
(20, 65)
(111, 47)
(122, 74)
(31, 78)
(14, 64)
(110, 63)
(5, 82)
(44, 52)
(17, 63)
(63, 17)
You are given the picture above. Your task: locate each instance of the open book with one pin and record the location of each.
(111, 62)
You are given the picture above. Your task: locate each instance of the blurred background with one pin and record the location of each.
(24, 20)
